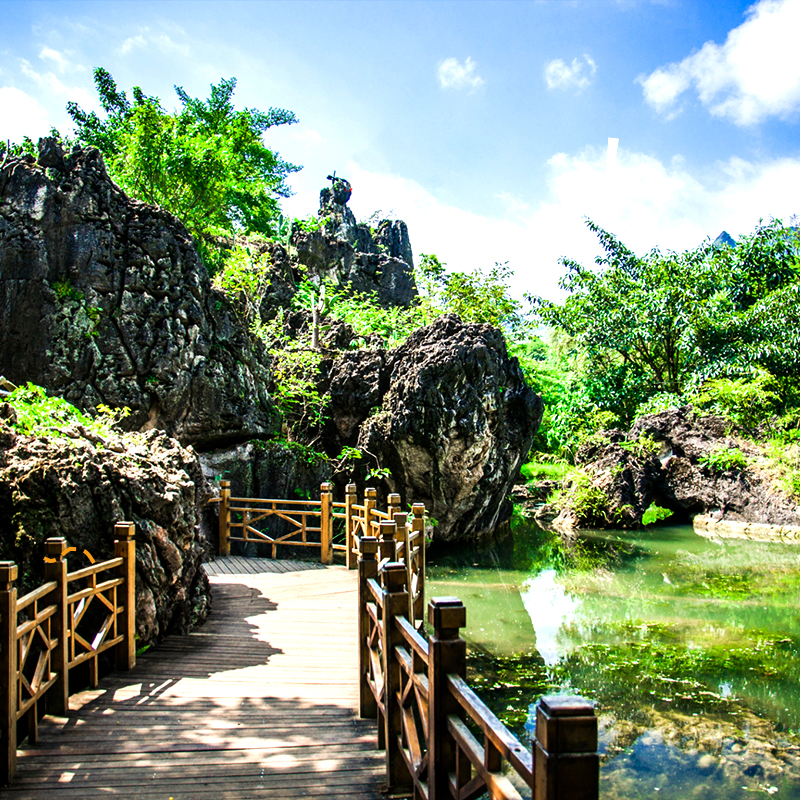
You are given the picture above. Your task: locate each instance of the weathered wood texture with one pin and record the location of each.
(47, 632)
(261, 702)
(441, 741)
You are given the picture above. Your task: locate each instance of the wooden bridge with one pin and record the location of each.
(278, 694)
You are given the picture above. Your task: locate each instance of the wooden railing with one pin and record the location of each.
(312, 523)
(43, 635)
(441, 740)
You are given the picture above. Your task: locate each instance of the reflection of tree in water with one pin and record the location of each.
(692, 655)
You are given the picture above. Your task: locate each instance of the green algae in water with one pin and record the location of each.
(690, 647)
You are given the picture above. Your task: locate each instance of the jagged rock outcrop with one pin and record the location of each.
(103, 300)
(664, 459)
(349, 253)
(78, 486)
(453, 427)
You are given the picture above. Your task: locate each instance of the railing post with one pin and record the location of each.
(55, 569)
(367, 568)
(370, 501)
(350, 534)
(393, 580)
(393, 505)
(125, 548)
(403, 554)
(447, 655)
(8, 671)
(224, 518)
(326, 523)
(418, 532)
(388, 542)
(565, 761)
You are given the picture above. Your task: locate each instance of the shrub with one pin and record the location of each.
(724, 458)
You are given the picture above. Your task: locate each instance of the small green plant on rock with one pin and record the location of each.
(724, 458)
(655, 513)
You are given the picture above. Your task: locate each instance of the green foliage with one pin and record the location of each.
(296, 394)
(41, 415)
(588, 500)
(667, 322)
(244, 278)
(655, 513)
(310, 224)
(724, 458)
(206, 163)
(546, 468)
(66, 291)
(745, 401)
(363, 312)
(783, 452)
(644, 447)
(479, 296)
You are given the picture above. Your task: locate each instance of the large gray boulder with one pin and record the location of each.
(666, 459)
(77, 486)
(103, 300)
(455, 424)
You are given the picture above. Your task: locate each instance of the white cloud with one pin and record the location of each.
(753, 75)
(58, 91)
(645, 202)
(161, 42)
(132, 43)
(21, 115)
(577, 75)
(455, 75)
(53, 55)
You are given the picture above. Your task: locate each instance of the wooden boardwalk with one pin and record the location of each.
(261, 702)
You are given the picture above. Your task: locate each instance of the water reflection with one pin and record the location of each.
(550, 608)
(689, 646)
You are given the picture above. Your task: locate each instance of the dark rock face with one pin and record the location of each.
(103, 300)
(78, 488)
(660, 461)
(454, 426)
(349, 253)
(747, 495)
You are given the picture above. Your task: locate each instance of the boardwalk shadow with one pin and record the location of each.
(198, 718)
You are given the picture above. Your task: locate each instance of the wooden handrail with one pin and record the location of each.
(29, 675)
(239, 515)
(415, 688)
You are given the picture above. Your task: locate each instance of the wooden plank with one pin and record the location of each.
(256, 703)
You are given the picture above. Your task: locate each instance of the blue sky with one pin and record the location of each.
(484, 125)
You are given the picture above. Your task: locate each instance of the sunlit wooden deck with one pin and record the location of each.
(259, 702)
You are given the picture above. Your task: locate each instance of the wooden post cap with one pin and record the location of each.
(387, 527)
(350, 488)
(54, 547)
(124, 530)
(418, 509)
(326, 487)
(393, 499)
(562, 705)
(394, 576)
(8, 573)
(371, 493)
(400, 519)
(447, 615)
(225, 484)
(566, 724)
(368, 546)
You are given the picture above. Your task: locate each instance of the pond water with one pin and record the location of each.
(689, 646)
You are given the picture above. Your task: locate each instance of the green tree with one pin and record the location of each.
(478, 296)
(206, 163)
(668, 321)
